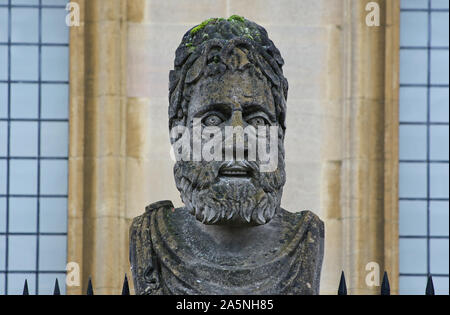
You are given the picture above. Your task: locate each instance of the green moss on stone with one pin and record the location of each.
(235, 17)
(202, 25)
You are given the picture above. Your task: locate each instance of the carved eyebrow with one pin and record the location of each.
(250, 108)
(224, 108)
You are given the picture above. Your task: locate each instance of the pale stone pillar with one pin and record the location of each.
(97, 163)
(341, 143)
(369, 163)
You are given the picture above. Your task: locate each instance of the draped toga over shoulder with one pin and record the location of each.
(170, 254)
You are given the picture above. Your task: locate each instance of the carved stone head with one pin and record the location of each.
(228, 74)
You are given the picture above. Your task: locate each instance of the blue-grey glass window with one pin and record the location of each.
(34, 53)
(423, 146)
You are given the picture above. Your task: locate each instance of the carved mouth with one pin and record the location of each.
(235, 171)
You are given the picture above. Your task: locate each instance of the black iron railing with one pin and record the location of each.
(342, 289)
(385, 287)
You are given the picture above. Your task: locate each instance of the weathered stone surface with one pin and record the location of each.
(232, 236)
(173, 254)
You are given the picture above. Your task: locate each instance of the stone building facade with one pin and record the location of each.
(341, 141)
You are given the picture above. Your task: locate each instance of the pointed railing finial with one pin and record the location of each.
(25, 288)
(342, 285)
(430, 286)
(125, 288)
(56, 290)
(90, 290)
(385, 287)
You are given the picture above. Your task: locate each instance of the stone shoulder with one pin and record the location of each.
(143, 262)
(306, 217)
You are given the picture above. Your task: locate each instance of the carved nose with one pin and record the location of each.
(236, 119)
(238, 136)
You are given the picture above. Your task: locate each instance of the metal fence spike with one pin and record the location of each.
(385, 287)
(430, 286)
(25, 288)
(90, 290)
(125, 288)
(56, 291)
(342, 290)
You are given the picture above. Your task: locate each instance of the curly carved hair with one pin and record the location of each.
(218, 45)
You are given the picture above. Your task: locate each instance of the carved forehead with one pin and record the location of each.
(238, 88)
(218, 46)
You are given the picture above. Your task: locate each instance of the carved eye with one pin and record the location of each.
(212, 120)
(258, 121)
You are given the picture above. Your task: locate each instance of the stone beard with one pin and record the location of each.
(217, 199)
(232, 236)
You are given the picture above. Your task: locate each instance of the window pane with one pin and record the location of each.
(2, 250)
(53, 215)
(55, 63)
(25, 25)
(2, 177)
(52, 253)
(439, 28)
(3, 138)
(24, 138)
(28, 2)
(439, 180)
(24, 100)
(439, 4)
(413, 142)
(413, 255)
(439, 218)
(414, 4)
(3, 25)
(3, 100)
(439, 104)
(439, 250)
(413, 218)
(55, 101)
(2, 217)
(36, 142)
(17, 280)
(23, 177)
(413, 28)
(439, 142)
(413, 180)
(24, 63)
(3, 61)
(54, 28)
(413, 285)
(439, 66)
(2, 282)
(416, 74)
(55, 2)
(440, 285)
(47, 283)
(22, 253)
(54, 136)
(23, 215)
(54, 177)
(413, 104)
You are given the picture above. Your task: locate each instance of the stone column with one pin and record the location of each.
(97, 163)
(369, 163)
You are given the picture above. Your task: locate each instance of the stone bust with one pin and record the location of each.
(232, 236)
